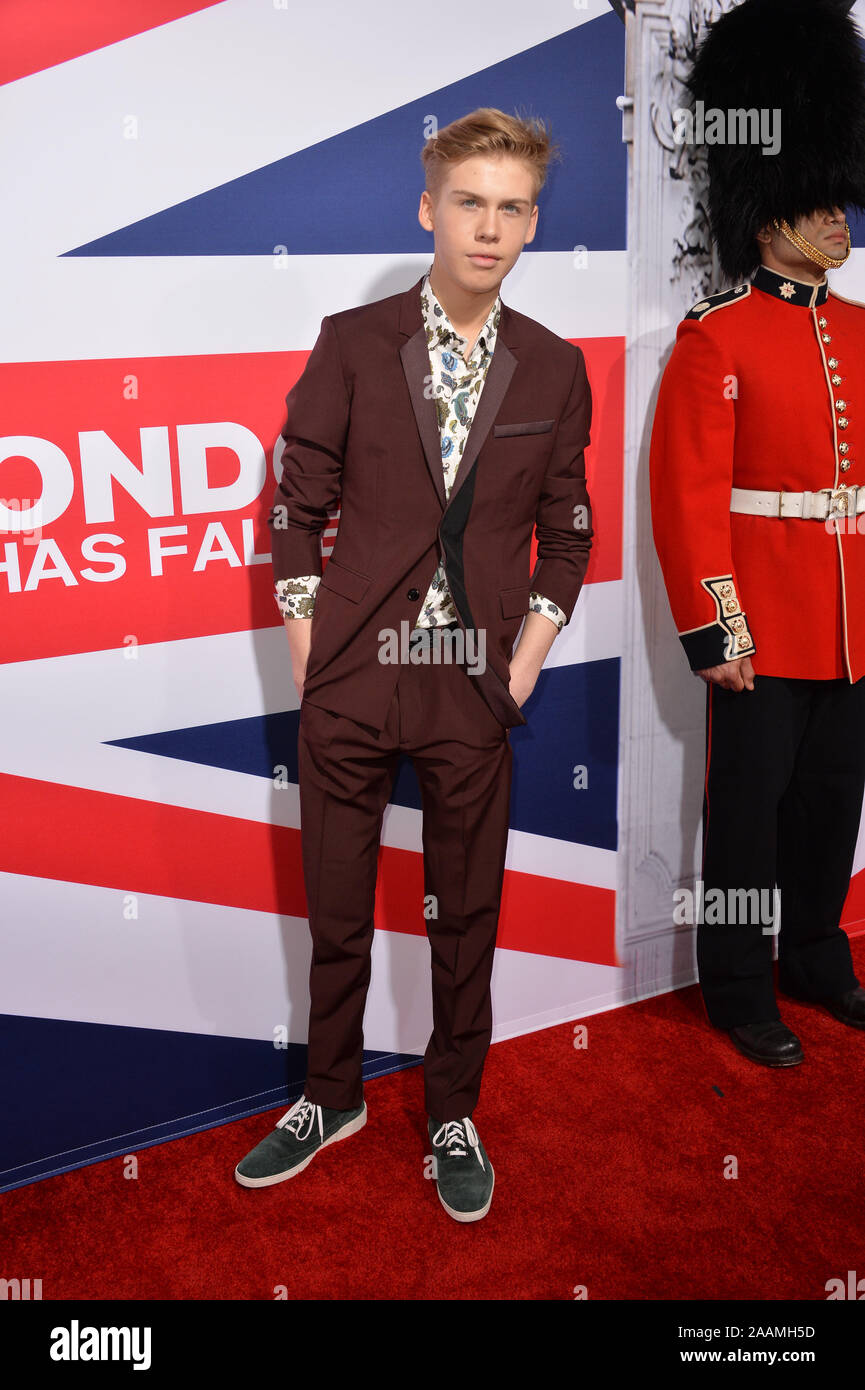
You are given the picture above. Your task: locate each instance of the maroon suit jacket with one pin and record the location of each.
(362, 431)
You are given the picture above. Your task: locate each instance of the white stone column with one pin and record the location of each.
(663, 704)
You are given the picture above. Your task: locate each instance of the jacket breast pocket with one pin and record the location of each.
(526, 427)
(340, 580)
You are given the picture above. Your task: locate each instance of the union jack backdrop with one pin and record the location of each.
(190, 188)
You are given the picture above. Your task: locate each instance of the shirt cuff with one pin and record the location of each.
(539, 604)
(295, 597)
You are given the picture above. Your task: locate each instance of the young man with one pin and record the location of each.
(757, 456)
(448, 426)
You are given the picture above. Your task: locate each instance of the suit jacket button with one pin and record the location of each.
(413, 594)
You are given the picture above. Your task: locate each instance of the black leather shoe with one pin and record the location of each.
(771, 1043)
(849, 1007)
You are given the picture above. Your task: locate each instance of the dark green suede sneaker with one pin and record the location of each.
(464, 1174)
(295, 1141)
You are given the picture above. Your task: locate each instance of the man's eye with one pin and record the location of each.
(510, 207)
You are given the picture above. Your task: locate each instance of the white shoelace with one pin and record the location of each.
(453, 1134)
(302, 1112)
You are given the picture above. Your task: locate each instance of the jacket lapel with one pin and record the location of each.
(415, 363)
(414, 355)
(499, 373)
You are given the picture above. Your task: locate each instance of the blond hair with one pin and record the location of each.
(488, 131)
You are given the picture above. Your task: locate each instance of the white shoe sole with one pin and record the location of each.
(469, 1215)
(344, 1133)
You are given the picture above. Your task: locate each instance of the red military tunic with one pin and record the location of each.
(765, 389)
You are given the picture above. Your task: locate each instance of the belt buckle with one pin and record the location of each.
(842, 502)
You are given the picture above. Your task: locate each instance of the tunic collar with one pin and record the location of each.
(790, 291)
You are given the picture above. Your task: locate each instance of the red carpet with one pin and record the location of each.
(609, 1174)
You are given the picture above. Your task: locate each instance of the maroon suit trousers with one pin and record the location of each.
(462, 757)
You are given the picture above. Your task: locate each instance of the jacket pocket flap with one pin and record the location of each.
(515, 602)
(344, 581)
(529, 427)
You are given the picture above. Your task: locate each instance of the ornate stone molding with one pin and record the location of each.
(671, 266)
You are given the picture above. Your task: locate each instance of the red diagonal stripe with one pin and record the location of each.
(37, 34)
(82, 836)
(853, 916)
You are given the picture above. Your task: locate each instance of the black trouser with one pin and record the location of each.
(785, 771)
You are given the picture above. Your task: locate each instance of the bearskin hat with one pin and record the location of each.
(803, 59)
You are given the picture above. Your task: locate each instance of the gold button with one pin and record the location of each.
(845, 465)
(836, 380)
(827, 337)
(823, 323)
(840, 405)
(731, 605)
(743, 641)
(726, 590)
(833, 362)
(843, 448)
(843, 422)
(737, 624)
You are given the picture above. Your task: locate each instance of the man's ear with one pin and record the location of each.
(425, 212)
(765, 235)
(533, 225)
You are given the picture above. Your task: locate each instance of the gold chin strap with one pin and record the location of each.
(802, 244)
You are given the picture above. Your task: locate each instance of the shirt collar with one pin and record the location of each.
(440, 332)
(790, 291)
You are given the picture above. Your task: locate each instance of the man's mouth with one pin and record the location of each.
(481, 259)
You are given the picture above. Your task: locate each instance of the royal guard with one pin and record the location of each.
(758, 513)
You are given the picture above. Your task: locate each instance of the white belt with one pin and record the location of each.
(809, 506)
